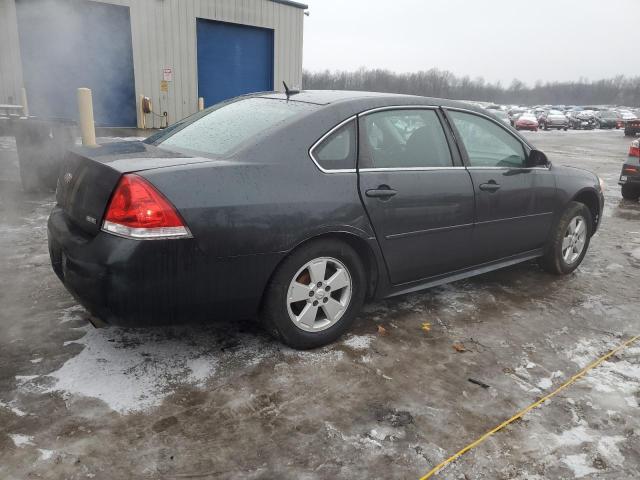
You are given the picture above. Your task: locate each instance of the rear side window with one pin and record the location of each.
(338, 150)
(403, 139)
(224, 128)
(487, 144)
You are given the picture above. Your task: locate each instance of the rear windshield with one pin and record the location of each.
(225, 127)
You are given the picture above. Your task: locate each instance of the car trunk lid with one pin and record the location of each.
(89, 176)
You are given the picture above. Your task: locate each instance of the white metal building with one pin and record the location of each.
(172, 51)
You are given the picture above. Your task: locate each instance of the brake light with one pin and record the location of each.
(137, 210)
(634, 149)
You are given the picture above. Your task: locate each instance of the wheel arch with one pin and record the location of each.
(589, 197)
(359, 244)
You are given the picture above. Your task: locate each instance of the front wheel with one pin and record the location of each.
(569, 241)
(315, 294)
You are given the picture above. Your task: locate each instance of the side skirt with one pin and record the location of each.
(456, 275)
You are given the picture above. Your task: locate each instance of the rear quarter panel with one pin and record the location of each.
(268, 197)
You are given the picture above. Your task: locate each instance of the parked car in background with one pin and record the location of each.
(582, 120)
(502, 115)
(515, 113)
(296, 208)
(527, 121)
(631, 127)
(607, 119)
(627, 114)
(538, 111)
(553, 119)
(630, 175)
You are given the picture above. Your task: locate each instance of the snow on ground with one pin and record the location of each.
(359, 342)
(21, 440)
(46, 454)
(579, 465)
(128, 373)
(15, 410)
(134, 370)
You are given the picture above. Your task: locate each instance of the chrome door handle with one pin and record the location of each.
(491, 186)
(381, 192)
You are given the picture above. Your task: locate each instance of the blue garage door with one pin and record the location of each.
(233, 60)
(67, 44)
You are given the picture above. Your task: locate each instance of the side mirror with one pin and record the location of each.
(537, 159)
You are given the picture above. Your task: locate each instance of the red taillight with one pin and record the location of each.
(634, 149)
(138, 210)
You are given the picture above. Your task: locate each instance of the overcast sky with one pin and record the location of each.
(496, 39)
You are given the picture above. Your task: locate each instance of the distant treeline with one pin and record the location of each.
(440, 83)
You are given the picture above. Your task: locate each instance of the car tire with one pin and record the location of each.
(630, 192)
(561, 256)
(629, 133)
(306, 323)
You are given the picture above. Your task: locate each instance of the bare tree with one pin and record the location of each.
(619, 90)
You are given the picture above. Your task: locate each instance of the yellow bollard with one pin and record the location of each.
(85, 118)
(25, 104)
(200, 104)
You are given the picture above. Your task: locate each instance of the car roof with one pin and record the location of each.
(327, 97)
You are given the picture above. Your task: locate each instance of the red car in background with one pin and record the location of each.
(527, 121)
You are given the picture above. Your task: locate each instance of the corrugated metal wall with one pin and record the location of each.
(10, 65)
(164, 35)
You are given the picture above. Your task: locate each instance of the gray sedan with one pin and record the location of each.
(298, 208)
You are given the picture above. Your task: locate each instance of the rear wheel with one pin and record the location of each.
(315, 294)
(570, 240)
(629, 133)
(630, 192)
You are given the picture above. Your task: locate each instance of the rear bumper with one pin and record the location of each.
(135, 283)
(630, 174)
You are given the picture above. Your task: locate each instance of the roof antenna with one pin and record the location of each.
(288, 91)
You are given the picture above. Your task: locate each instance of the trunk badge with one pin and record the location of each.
(67, 177)
(90, 219)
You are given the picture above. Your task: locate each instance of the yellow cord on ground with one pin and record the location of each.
(524, 411)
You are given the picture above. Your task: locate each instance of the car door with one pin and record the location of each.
(417, 194)
(514, 203)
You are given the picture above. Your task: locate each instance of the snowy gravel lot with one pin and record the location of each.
(223, 400)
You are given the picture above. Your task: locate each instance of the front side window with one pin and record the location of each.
(338, 150)
(403, 139)
(487, 144)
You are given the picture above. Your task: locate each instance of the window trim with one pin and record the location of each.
(435, 108)
(527, 147)
(323, 137)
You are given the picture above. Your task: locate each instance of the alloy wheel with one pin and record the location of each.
(575, 238)
(319, 294)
